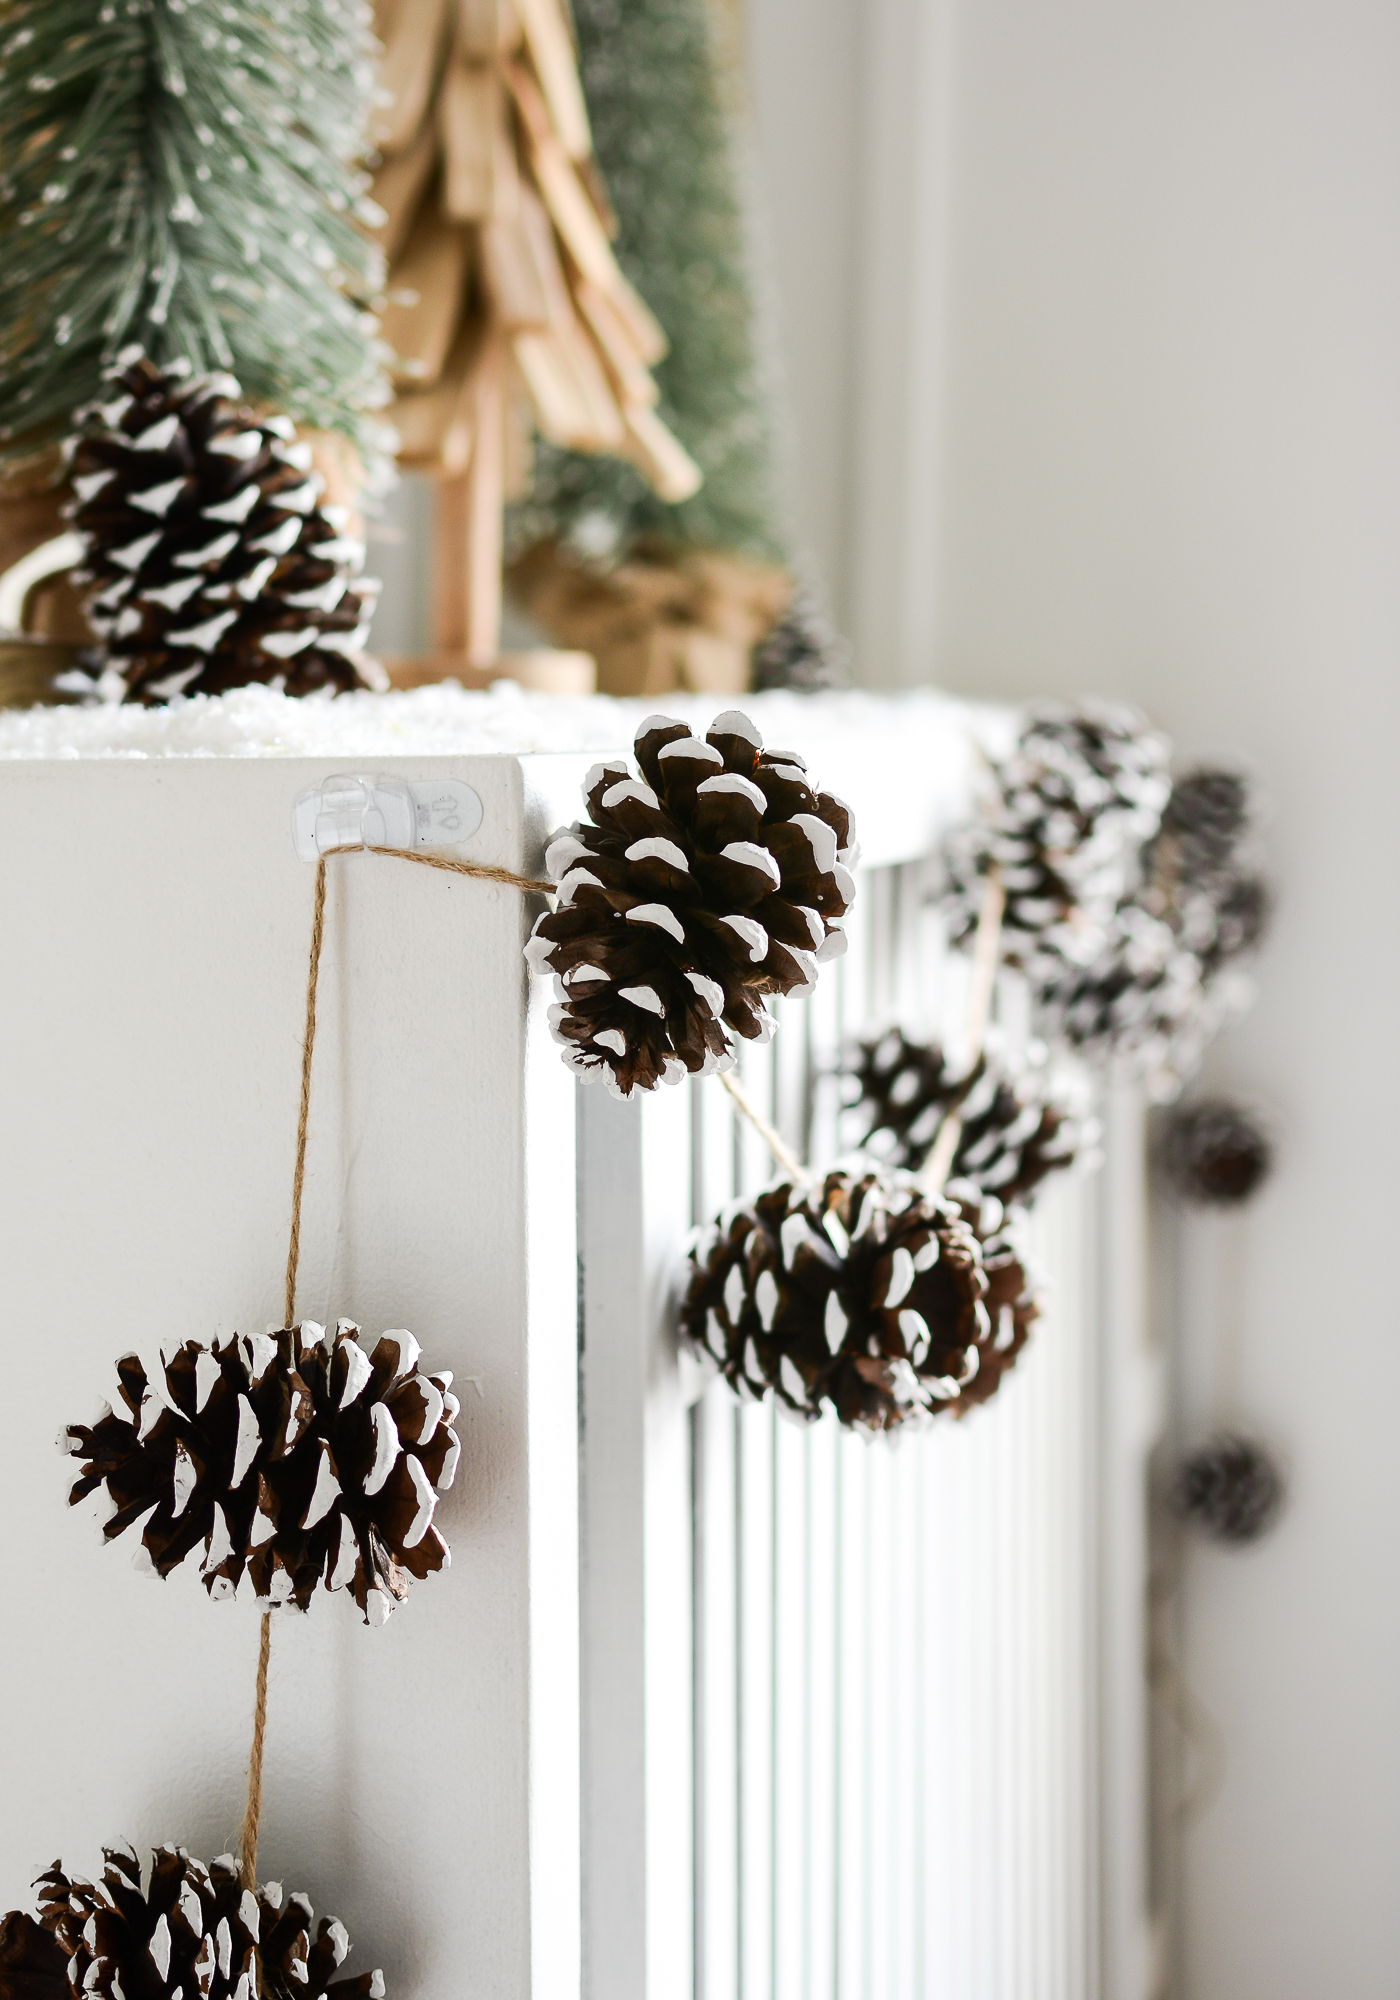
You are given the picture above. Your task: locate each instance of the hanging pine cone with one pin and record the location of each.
(1230, 1489)
(209, 563)
(1078, 796)
(293, 1455)
(1021, 1120)
(719, 876)
(1217, 1152)
(862, 1293)
(1163, 980)
(802, 650)
(191, 1931)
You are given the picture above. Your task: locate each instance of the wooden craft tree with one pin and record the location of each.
(506, 307)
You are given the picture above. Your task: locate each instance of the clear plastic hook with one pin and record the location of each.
(352, 810)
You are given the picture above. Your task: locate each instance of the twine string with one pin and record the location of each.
(986, 955)
(772, 1139)
(248, 1838)
(308, 1040)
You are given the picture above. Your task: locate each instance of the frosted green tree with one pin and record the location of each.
(178, 175)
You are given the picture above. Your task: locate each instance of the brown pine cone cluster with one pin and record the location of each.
(192, 1931)
(861, 1293)
(292, 1456)
(1021, 1119)
(1165, 976)
(210, 562)
(717, 877)
(1077, 798)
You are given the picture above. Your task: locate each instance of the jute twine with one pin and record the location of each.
(248, 1837)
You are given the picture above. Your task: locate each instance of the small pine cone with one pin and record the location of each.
(191, 1931)
(1205, 819)
(209, 563)
(862, 1293)
(293, 1455)
(802, 650)
(1162, 981)
(1020, 1120)
(1230, 1489)
(1080, 794)
(720, 875)
(1217, 1152)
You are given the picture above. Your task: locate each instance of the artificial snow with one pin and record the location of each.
(448, 720)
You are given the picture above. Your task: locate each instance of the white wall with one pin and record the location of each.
(1157, 287)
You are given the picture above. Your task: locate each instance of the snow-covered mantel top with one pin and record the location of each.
(447, 720)
(908, 763)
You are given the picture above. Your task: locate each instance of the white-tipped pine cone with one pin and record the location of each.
(718, 876)
(1076, 800)
(1165, 977)
(292, 1456)
(210, 562)
(862, 1293)
(191, 1931)
(1022, 1118)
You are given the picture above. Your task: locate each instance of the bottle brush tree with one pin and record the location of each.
(178, 175)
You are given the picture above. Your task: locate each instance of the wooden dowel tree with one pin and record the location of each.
(505, 306)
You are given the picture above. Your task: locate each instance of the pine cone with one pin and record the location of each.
(294, 1455)
(208, 563)
(1020, 1120)
(802, 650)
(1217, 1152)
(862, 1293)
(1207, 816)
(1231, 1489)
(1077, 798)
(1161, 984)
(719, 876)
(192, 1931)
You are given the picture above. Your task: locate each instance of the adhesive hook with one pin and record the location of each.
(356, 811)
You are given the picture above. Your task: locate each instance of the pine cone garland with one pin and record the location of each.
(1080, 794)
(209, 563)
(717, 877)
(1217, 1152)
(293, 1456)
(1021, 1120)
(192, 1931)
(861, 1293)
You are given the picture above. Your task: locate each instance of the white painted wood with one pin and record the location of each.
(421, 1780)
